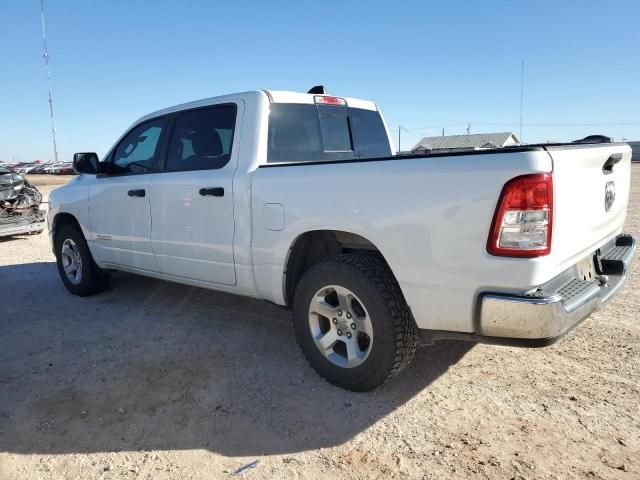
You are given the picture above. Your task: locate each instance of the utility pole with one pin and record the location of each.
(443, 131)
(46, 62)
(521, 96)
(399, 149)
(468, 129)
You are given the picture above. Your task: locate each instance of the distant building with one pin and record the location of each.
(635, 150)
(452, 143)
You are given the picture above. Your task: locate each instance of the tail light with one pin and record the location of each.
(522, 222)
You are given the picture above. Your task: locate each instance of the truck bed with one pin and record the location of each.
(430, 214)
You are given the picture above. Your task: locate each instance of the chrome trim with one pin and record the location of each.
(571, 305)
(528, 317)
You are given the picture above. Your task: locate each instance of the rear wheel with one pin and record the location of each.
(76, 267)
(352, 322)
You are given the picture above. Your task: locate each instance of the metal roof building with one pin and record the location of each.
(474, 141)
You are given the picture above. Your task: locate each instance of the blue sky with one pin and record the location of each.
(428, 65)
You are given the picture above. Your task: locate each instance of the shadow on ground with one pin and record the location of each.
(155, 365)
(9, 238)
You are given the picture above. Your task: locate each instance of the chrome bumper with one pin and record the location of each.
(553, 309)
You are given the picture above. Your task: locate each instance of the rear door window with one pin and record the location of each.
(201, 139)
(303, 132)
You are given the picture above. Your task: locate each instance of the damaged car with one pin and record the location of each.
(19, 205)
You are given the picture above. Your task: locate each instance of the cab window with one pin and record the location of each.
(139, 150)
(202, 139)
(303, 132)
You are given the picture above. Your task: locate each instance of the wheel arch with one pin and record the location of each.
(60, 220)
(312, 246)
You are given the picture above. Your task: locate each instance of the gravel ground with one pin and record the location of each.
(161, 381)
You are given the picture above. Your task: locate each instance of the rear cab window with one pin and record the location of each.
(316, 132)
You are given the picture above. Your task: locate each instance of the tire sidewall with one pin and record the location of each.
(375, 369)
(69, 232)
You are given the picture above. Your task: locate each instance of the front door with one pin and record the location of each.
(192, 197)
(119, 209)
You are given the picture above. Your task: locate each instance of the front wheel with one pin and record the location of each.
(76, 267)
(352, 322)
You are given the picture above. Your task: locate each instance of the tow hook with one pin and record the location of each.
(603, 279)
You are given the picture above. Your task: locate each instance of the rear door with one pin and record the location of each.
(119, 209)
(192, 197)
(590, 196)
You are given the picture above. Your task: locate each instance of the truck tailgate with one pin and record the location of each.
(585, 177)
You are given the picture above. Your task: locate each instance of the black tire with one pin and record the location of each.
(94, 279)
(394, 333)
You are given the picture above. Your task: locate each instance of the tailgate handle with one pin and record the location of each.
(611, 161)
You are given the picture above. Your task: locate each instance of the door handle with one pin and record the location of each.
(212, 192)
(136, 193)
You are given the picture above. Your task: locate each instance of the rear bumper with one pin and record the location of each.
(542, 317)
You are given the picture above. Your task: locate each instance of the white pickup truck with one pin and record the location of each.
(296, 198)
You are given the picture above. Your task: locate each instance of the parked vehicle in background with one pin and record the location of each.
(57, 168)
(63, 169)
(26, 168)
(297, 199)
(40, 169)
(19, 205)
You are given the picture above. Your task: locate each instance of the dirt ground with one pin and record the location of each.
(155, 380)
(51, 181)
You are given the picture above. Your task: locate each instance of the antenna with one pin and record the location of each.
(46, 62)
(521, 96)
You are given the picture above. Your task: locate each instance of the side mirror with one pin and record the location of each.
(85, 163)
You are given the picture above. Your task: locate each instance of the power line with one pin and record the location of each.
(436, 130)
(439, 126)
(413, 132)
(46, 62)
(425, 130)
(595, 124)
